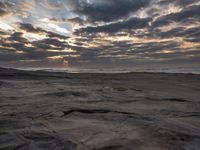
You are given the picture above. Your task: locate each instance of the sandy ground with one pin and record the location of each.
(133, 111)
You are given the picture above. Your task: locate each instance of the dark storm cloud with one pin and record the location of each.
(124, 48)
(18, 36)
(133, 30)
(19, 43)
(142, 48)
(50, 44)
(56, 35)
(196, 39)
(30, 28)
(184, 16)
(29, 55)
(76, 20)
(153, 47)
(177, 55)
(133, 23)
(5, 8)
(34, 55)
(3, 33)
(54, 42)
(14, 45)
(191, 33)
(16, 48)
(106, 10)
(178, 2)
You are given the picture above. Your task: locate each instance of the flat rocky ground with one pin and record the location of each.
(133, 111)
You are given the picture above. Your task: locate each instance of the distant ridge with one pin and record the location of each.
(10, 72)
(43, 74)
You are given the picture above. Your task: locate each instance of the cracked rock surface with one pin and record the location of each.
(134, 111)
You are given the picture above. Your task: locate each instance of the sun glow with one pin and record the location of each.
(5, 27)
(19, 52)
(65, 50)
(56, 57)
(57, 28)
(165, 52)
(34, 36)
(28, 45)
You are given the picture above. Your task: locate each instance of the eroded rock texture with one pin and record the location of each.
(135, 111)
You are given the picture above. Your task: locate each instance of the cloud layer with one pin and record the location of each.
(98, 33)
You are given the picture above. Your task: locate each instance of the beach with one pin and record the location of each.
(42, 110)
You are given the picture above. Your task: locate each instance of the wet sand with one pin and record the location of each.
(133, 111)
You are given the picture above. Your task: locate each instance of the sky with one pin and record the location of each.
(99, 33)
